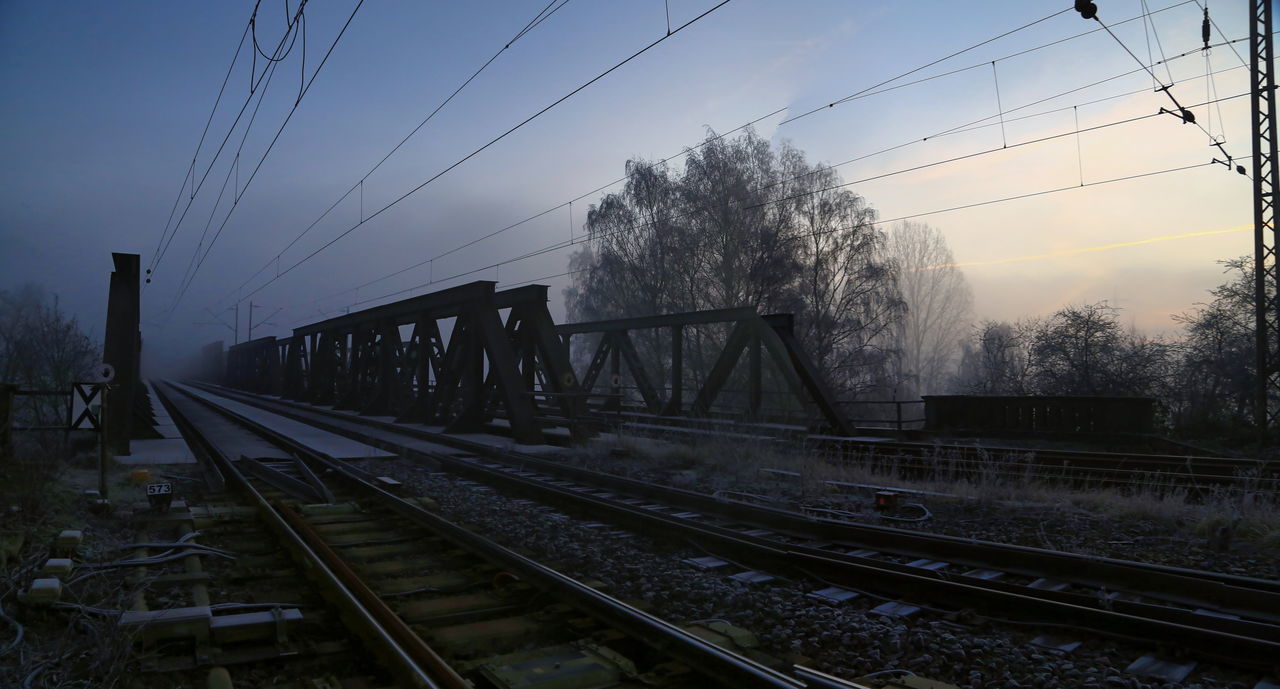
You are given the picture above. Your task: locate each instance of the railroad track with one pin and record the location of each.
(211, 594)
(1223, 617)
(919, 459)
(444, 607)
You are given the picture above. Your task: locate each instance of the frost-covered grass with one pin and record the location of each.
(997, 483)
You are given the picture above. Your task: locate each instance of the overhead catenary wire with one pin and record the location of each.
(817, 233)
(199, 144)
(233, 168)
(178, 299)
(872, 90)
(937, 211)
(255, 81)
(863, 93)
(490, 143)
(970, 126)
(543, 15)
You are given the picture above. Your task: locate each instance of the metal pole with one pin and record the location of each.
(102, 441)
(237, 328)
(1266, 278)
(250, 337)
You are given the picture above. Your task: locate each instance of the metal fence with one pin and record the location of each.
(898, 415)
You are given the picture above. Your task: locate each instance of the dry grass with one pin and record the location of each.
(993, 481)
(65, 647)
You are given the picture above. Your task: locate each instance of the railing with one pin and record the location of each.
(899, 419)
(1092, 415)
(30, 418)
(35, 415)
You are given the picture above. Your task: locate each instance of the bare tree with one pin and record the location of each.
(41, 347)
(998, 360)
(939, 307)
(1217, 362)
(745, 224)
(1079, 350)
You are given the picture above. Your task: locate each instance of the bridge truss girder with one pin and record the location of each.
(768, 337)
(459, 365)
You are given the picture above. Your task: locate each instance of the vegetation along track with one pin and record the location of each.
(452, 609)
(925, 459)
(1230, 618)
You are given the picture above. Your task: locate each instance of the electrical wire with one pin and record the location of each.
(177, 300)
(254, 83)
(1202, 6)
(938, 211)
(870, 91)
(490, 143)
(199, 144)
(532, 24)
(233, 167)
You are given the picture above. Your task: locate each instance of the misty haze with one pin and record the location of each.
(680, 344)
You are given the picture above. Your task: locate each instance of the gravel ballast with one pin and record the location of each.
(844, 640)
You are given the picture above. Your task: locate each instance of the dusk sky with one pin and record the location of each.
(105, 103)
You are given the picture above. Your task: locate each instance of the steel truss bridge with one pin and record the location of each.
(473, 354)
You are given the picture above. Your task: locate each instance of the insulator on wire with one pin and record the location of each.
(1087, 10)
(1204, 28)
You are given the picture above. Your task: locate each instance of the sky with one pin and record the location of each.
(106, 103)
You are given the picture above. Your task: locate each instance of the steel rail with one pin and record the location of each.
(911, 542)
(406, 637)
(400, 662)
(1181, 626)
(1191, 468)
(700, 655)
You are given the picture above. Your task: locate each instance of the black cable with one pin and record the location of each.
(926, 66)
(1159, 45)
(265, 153)
(491, 142)
(199, 144)
(970, 126)
(1004, 199)
(967, 156)
(870, 91)
(1184, 113)
(197, 187)
(289, 28)
(234, 167)
(533, 23)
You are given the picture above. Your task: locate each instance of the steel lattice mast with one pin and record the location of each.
(1266, 277)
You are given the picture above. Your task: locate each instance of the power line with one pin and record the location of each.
(266, 153)
(968, 156)
(938, 211)
(863, 93)
(532, 24)
(491, 142)
(234, 167)
(255, 81)
(1185, 114)
(1221, 35)
(565, 244)
(199, 144)
(969, 126)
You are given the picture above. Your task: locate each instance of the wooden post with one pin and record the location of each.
(6, 406)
